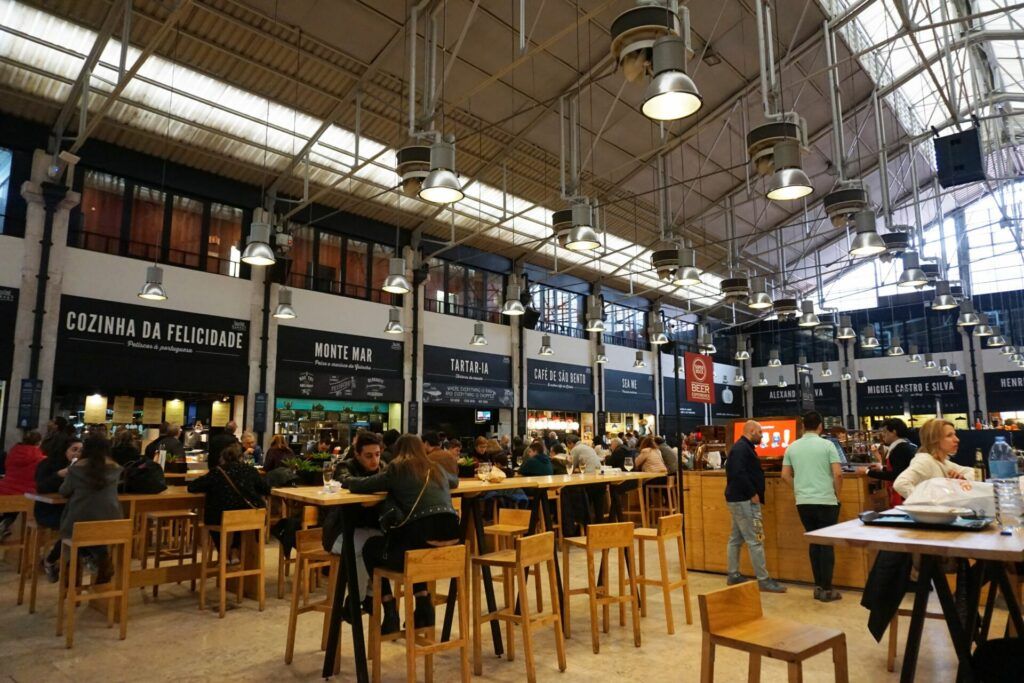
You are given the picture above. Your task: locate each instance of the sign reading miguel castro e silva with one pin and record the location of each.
(559, 386)
(913, 394)
(329, 365)
(466, 378)
(126, 346)
(628, 392)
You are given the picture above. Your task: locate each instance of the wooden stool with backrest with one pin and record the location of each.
(732, 617)
(422, 566)
(555, 496)
(175, 536)
(21, 505)
(118, 537)
(310, 557)
(233, 522)
(37, 540)
(668, 528)
(309, 519)
(511, 524)
(662, 499)
(603, 539)
(530, 552)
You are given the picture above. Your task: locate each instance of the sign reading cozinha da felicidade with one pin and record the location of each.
(466, 378)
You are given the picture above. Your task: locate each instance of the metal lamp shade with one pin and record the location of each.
(845, 375)
(671, 95)
(442, 186)
(869, 340)
(914, 356)
(394, 325)
(866, 242)
(761, 380)
(478, 335)
(826, 371)
(788, 184)
(658, 335)
(513, 306)
(943, 299)
(782, 382)
(284, 310)
(759, 298)
(845, 329)
(639, 361)
(912, 275)
(967, 317)
(983, 329)
(687, 273)
(861, 379)
(153, 289)
(773, 359)
(601, 355)
(808, 317)
(545, 346)
(396, 282)
(258, 251)
(895, 349)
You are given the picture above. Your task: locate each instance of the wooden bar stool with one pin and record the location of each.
(22, 506)
(285, 562)
(117, 536)
(668, 528)
(732, 617)
(662, 499)
(38, 538)
(182, 538)
(637, 510)
(233, 522)
(530, 553)
(555, 496)
(422, 566)
(511, 524)
(310, 557)
(603, 539)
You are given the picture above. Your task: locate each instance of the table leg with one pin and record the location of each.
(449, 608)
(1012, 606)
(951, 611)
(917, 620)
(492, 605)
(348, 569)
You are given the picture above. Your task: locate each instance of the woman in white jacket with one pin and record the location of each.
(938, 442)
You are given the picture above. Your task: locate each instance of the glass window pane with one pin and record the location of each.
(356, 264)
(102, 209)
(222, 253)
(302, 256)
(186, 232)
(328, 270)
(382, 255)
(475, 299)
(147, 227)
(495, 295)
(434, 296)
(6, 163)
(456, 288)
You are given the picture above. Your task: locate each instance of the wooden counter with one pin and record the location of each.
(708, 525)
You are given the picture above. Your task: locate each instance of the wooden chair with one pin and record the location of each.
(310, 557)
(233, 522)
(555, 496)
(422, 566)
(175, 536)
(284, 562)
(662, 499)
(38, 538)
(118, 537)
(732, 617)
(668, 528)
(635, 504)
(531, 552)
(603, 539)
(511, 524)
(22, 506)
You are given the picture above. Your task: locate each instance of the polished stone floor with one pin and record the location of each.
(170, 639)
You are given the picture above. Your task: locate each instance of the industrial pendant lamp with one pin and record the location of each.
(861, 379)
(153, 289)
(601, 354)
(258, 251)
(983, 329)
(996, 340)
(866, 242)
(582, 236)
(929, 363)
(394, 325)
(845, 375)
(845, 329)
(914, 356)
(943, 300)
(513, 304)
(773, 359)
(595, 314)
(706, 344)
(1008, 350)
(808, 317)
(671, 95)
(639, 362)
(789, 180)
(826, 371)
(868, 339)
(284, 310)
(782, 382)
(943, 366)
(967, 317)
(739, 378)
(687, 272)
(759, 298)
(895, 349)
(1016, 358)
(478, 335)
(396, 282)
(954, 372)
(657, 332)
(442, 186)
(912, 275)
(761, 381)
(742, 352)
(545, 346)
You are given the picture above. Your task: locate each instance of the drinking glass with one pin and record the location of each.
(328, 474)
(483, 471)
(628, 464)
(568, 467)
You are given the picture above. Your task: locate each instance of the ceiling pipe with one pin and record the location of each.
(838, 142)
(883, 158)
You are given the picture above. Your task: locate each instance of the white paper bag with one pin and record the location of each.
(960, 493)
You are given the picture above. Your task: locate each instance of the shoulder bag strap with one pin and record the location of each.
(232, 485)
(426, 481)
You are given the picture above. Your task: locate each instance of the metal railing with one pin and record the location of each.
(113, 244)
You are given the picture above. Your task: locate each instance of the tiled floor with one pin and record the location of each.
(172, 640)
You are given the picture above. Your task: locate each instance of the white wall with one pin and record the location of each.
(623, 357)
(567, 349)
(332, 313)
(455, 332)
(11, 249)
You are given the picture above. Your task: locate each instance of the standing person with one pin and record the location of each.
(20, 475)
(811, 467)
(153, 446)
(91, 489)
(60, 453)
(900, 451)
(938, 442)
(744, 494)
(194, 440)
(668, 455)
(218, 442)
(277, 453)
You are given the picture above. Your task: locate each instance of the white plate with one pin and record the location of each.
(933, 514)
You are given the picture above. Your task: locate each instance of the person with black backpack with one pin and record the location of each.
(143, 475)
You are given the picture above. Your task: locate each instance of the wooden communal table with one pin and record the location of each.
(991, 552)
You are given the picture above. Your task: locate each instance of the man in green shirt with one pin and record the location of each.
(811, 467)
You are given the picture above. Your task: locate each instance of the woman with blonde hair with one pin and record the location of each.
(938, 442)
(650, 458)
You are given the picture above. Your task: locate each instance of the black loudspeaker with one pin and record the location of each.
(668, 348)
(531, 318)
(958, 158)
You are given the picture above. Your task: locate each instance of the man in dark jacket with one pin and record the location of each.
(218, 442)
(744, 494)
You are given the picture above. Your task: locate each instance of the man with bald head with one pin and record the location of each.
(744, 494)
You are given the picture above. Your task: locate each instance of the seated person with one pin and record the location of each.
(230, 485)
(537, 463)
(91, 489)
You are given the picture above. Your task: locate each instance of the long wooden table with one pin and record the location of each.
(470, 490)
(991, 551)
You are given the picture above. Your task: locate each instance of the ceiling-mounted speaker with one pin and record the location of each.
(633, 34)
(669, 348)
(530, 318)
(895, 244)
(958, 158)
(842, 203)
(931, 270)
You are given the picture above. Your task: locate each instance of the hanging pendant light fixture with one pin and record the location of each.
(671, 95)
(639, 362)
(478, 338)
(789, 180)
(868, 339)
(153, 288)
(513, 305)
(396, 282)
(595, 314)
(826, 371)
(861, 379)
(808, 317)
(996, 340)
(967, 317)
(912, 275)
(914, 356)
(258, 251)
(929, 363)
(782, 384)
(582, 236)
(545, 346)
(866, 242)
(759, 298)
(943, 300)
(845, 329)
(742, 352)
(601, 355)
(943, 366)
(1008, 350)
(687, 273)
(895, 349)
(394, 324)
(982, 329)
(1016, 357)
(706, 344)
(845, 375)
(773, 359)
(442, 186)
(761, 381)
(954, 372)
(284, 310)
(657, 333)
(738, 378)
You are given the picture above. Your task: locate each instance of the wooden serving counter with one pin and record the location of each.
(708, 525)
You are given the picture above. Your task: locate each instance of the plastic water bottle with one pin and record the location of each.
(1009, 504)
(1002, 464)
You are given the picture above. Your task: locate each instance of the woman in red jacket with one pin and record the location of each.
(20, 477)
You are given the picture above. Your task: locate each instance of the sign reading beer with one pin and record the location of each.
(466, 378)
(125, 346)
(559, 386)
(628, 392)
(337, 366)
(700, 377)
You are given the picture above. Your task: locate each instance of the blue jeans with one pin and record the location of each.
(748, 528)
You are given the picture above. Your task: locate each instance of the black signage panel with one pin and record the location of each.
(559, 386)
(774, 400)
(805, 389)
(328, 365)
(413, 419)
(8, 314)
(521, 420)
(455, 377)
(911, 394)
(1004, 391)
(628, 392)
(728, 402)
(259, 413)
(114, 346)
(28, 403)
(685, 409)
